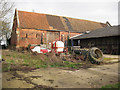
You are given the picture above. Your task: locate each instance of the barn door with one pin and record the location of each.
(51, 36)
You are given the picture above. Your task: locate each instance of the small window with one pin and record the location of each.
(62, 37)
(26, 36)
(36, 35)
(41, 38)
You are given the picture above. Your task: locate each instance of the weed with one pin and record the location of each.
(12, 61)
(44, 66)
(38, 61)
(26, 61)
(25, 64)
(37, 66)
(111, 86)
(6, 67)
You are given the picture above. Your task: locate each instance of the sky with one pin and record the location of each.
(94, 10)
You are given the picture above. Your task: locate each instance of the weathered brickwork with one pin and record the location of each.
(35, 28)
(32, 36)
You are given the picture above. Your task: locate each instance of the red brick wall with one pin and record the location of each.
(32, 36)
(24, 37)
(66, 34)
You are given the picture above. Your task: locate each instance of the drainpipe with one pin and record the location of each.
(72, 44)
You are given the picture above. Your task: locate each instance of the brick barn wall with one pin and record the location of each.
(31, 36)
(13, 38)
(66, 34)
(63, 36)
(52, 36)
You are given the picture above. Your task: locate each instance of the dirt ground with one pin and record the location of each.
(60, 78)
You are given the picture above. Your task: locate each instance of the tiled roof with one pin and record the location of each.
(103, 32)
(84, 25)
(32, 20)
(44, 21)
(55, 22)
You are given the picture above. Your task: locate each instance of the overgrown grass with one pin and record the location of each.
(6, 67)
(72, 65)
(111, 86)
(21, 59)
(15, 59)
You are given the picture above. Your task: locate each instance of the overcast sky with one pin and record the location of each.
(95, 10)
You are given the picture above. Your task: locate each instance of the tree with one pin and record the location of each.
(5, 17)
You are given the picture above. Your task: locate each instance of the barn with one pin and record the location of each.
(107, 39)
(36, 28)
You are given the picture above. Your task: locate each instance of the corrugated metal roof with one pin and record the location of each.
(44, 21)
(103, 32)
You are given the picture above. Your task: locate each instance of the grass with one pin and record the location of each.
(111, 86)
(6, 67)
(14, 59)
(19, 60)
(72, 65)
(109, 58)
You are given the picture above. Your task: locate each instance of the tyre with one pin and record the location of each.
(95, 55)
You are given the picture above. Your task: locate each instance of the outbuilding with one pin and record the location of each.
(36, 28)
(107, 39)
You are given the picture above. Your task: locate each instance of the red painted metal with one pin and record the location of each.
(55, 48)
(44, 50)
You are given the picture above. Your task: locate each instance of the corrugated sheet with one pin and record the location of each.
(45, 21)
(103, 32)
(32, 20)
(55, 22)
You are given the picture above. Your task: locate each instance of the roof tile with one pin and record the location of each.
(44, 21)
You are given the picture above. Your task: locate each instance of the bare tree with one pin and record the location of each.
(5, 16)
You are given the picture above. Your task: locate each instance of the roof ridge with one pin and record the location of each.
(44, 21)
(62, 16)
(86, 20)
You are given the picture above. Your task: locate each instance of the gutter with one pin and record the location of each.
(53, 30)
(76, 36)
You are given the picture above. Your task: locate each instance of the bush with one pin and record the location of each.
(29, 46)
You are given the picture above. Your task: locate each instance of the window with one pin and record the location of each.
(36, 35)
(62, 37)
(41, 38)
(26, 35)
